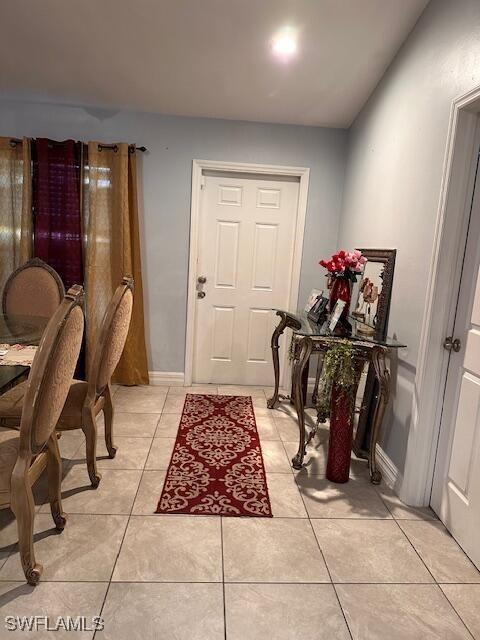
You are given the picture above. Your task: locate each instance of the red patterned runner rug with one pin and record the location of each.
(216, 466)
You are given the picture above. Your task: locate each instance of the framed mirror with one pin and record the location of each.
(371, 299)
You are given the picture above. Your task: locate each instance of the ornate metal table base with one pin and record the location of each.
(304, 347)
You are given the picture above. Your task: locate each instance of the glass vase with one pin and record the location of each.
(341, 289)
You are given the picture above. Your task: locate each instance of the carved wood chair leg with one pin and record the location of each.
(23, 507)
(54, 471)
(108, 413)
(89, 428)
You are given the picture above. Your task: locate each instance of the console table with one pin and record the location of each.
(309, 338)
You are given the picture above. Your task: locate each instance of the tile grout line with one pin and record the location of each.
(454, 608)
(435, 583)
(330, 576)
(416, 552)
(223, 582)
(143, 470)
(251, 582)
(126, 527)
(323, 557)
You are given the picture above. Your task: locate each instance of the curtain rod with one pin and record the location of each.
(131, 147)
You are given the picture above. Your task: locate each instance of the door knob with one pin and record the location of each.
(201, 294)
(452, 345)
(201, 279)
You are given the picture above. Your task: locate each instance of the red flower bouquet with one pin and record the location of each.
(343, 268)
(345, 264)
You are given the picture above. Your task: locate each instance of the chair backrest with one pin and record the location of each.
(111, 338)
(52, 372)
(34, 289)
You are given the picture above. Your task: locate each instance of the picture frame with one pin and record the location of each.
(386, 259)
(319, 310)
(335, 315)
(312, 299)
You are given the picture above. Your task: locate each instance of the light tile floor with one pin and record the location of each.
(335, 562)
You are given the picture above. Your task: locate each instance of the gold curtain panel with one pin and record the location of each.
(15, 206)
(113, 251)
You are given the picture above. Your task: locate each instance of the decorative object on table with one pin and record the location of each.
(336, 314)
(366, 310)
(319, 310)
(312, 299)
(216, 466)
(339, 382)
(379, 271)
(343, 269)
(17, 354)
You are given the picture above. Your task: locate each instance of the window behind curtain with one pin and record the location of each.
(57, 207)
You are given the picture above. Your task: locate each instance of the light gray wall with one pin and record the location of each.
(394, 169)
(173, 143)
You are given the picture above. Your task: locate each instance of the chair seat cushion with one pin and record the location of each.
(11, 404)
(71, 416)
(9, 442)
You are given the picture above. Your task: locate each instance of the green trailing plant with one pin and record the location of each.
(338, 364)
(339, 368)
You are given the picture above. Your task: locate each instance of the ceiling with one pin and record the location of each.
(209, 58)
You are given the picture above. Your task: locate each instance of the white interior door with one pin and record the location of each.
(456, 488)
(245, 252)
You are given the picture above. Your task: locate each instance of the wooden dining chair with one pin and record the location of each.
(86, 400)
(24, 453)
(34, 289)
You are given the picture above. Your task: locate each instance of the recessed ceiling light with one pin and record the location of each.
(284, 43)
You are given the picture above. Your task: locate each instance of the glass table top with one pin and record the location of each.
(313, 330)
(16, 329)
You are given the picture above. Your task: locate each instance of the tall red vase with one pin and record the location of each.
(341, 289)
(341, 436)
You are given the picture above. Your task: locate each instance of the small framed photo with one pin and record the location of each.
(335, 316)
(319, 310)
(312, 300)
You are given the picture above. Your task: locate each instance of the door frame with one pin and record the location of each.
(198, 166)
(444, 277)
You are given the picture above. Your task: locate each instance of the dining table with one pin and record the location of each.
(21, 330)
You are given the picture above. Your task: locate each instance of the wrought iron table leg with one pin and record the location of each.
(306, 346)
(286, 320)
(279, 329)
(317, 378)
(383, 376)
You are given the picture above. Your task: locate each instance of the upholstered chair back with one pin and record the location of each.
(34, 289)
(111, 337)
(52, 372)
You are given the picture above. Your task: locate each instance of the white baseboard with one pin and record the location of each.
(170, 378)
(390, 473)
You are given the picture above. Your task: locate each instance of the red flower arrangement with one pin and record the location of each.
(345, 264)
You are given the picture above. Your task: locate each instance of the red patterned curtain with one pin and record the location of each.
(57, 207)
